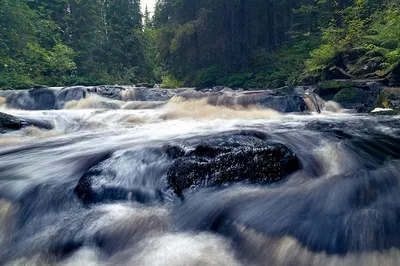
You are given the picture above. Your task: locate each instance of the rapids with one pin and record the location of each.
(341, 208)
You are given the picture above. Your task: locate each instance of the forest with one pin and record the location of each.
(201, 43)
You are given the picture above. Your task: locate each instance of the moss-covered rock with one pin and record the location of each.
(362, 100)
(347, 95)
(390, 98)
(328, 89)
(336, 84)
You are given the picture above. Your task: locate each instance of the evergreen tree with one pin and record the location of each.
(124, 41)
(250, 43)
(86, 35)
(146, 18)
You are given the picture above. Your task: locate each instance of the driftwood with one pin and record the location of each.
(342, 71)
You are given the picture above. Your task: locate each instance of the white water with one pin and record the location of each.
(35, 225)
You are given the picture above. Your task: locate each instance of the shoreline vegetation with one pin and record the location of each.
(245, 44)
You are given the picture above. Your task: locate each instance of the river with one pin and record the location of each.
(341, 208)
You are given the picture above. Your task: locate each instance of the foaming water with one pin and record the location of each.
(94, 102)
(331, 106)
(341, 207)
(142, 105)
(200, 109)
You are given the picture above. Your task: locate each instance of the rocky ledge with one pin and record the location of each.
(363, 96)
(55, 98)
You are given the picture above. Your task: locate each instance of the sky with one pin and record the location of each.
(149, 3)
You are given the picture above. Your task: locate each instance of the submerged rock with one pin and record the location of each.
(129, 176)
(9, 122)
(232, 158)
(45, 98)
(70, 94)
(261, 99)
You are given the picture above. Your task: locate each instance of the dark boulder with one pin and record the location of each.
(232, 158)
(9, 122)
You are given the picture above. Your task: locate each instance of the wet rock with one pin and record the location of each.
(173, 151)
(232, 158)
(9, 122)
(284, 104)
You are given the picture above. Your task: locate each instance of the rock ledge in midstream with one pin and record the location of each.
(245, 158)
(9, 122)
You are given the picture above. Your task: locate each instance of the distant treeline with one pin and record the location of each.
(238, 43)
(66, 42)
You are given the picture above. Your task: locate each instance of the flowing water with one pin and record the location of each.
(341, 208)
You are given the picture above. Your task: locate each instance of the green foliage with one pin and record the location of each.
(243, 43)
(326, 54)
(369, 35)
(169, 81)
(208, 77)
(239, 80)
(67, 42)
